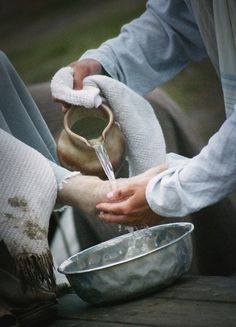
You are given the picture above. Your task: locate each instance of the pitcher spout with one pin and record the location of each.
(83, 130)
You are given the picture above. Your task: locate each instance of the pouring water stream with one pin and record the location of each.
(108, 169)
(103, 157)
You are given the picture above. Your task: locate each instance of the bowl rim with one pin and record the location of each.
(68, 261)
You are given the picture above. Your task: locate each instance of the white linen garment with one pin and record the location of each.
(154, 48)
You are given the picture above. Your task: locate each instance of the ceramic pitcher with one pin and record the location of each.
(83, 129)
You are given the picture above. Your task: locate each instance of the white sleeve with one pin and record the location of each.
(200, 181)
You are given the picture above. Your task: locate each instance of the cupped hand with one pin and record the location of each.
(139, 219)
(127, 204)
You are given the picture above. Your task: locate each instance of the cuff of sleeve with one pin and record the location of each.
(59, 207)
(165, 201)
(154, 199)
(61, 174)
(66, 177)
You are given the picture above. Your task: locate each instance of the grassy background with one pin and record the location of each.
(41, 39)
(41, 44)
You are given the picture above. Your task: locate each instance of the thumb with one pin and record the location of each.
(80, 72)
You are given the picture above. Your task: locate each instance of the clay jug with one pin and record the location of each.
(83, 129)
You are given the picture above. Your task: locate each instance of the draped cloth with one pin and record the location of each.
(27, 182)
(145, 142)
(217, 23)
(143, 134)
(28, 195)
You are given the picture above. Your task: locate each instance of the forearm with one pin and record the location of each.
(199, 182)
(153, 48)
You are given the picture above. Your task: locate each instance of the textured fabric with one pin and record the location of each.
(20, 116)
(154, 48)
(144, 139)
(217, 23)
(135, 117)
(211, 175)
(28, 184)
(62, 89)
(27, 199)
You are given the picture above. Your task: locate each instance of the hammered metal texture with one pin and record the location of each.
(131, 265)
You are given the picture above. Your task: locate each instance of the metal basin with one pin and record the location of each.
(131, 265)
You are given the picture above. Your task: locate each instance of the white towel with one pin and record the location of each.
(62, 89)
(144, 138)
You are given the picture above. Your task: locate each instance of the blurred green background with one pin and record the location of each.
(42, 36)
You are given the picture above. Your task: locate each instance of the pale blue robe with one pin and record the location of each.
(20, 117)
(153, 49)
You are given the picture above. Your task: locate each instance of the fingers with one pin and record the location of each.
(124, 207)
(80, 72)
(125, 200)
(127, 220)
(116, 207)
(84, 68)
(144, 218)
(128, 205)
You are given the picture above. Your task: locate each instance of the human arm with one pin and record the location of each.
(85, 67)
(149, 51)
(201, 181)
(197, 182)
(153, 48)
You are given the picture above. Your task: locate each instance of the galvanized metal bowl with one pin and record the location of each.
(131, 265)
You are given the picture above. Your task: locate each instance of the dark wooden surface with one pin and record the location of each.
(194, 301)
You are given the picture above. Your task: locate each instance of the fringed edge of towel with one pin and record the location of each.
(36, 271)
